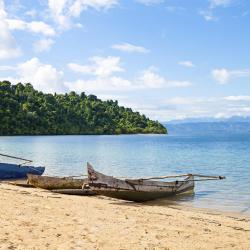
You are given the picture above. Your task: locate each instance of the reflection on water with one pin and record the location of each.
(149, 155)
(174, 199)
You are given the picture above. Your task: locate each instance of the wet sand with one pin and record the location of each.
(36, 219)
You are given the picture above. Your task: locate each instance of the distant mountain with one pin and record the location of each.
(209, 126)
(210, 119)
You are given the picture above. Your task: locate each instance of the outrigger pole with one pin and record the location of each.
(18, 158)
(208, 177)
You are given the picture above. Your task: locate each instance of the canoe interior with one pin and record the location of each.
(13, 171)
(50, 183)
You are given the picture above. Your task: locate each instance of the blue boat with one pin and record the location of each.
(18, 171)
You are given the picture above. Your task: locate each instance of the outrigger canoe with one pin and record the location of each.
(15, 171)
(55, 183)
(137, 190)
(18, 171)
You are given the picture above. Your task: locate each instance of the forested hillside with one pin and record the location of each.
(26, 111)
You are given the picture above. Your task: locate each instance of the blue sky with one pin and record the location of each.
(169, 59)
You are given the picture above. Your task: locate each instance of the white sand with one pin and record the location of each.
(37, 219)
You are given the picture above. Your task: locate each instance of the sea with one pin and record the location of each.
(220, 153)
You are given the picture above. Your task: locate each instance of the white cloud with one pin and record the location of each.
(63, 11)
(99, 77)
(188, 64)
(8, 46)
(56, 8)
(127, 47)
(43, 77)
(220, 3)
(167, 109)
(178, 100)
(79, 5)
(181, 107)
(223, 76)
(151, 79)
(179, 84)
(102, 70)
(100, 85)
(150, 2)
(118, 97)
(117, 84)
(105, 80)
(208, 14)
(100, 66)
(34, 26)
(43, 45)
(237, 98)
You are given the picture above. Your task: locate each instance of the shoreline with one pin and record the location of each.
(82, 134)
(38, 219)
(185, 206)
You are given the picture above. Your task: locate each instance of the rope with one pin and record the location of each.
(25, 161)
(14, 157)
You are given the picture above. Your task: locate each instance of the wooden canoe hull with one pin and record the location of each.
(135, 195)
(13, 171)
(50, 183)
(83, 192)
(137, 190)
(20, 183)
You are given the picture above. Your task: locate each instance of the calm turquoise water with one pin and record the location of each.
(150, 155)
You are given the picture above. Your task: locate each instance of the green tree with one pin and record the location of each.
(26, 111)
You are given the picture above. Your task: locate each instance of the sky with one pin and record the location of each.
(168, 59)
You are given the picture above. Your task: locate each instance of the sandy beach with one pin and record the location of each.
(37, 219)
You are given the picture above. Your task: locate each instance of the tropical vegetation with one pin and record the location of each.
(26, 111)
